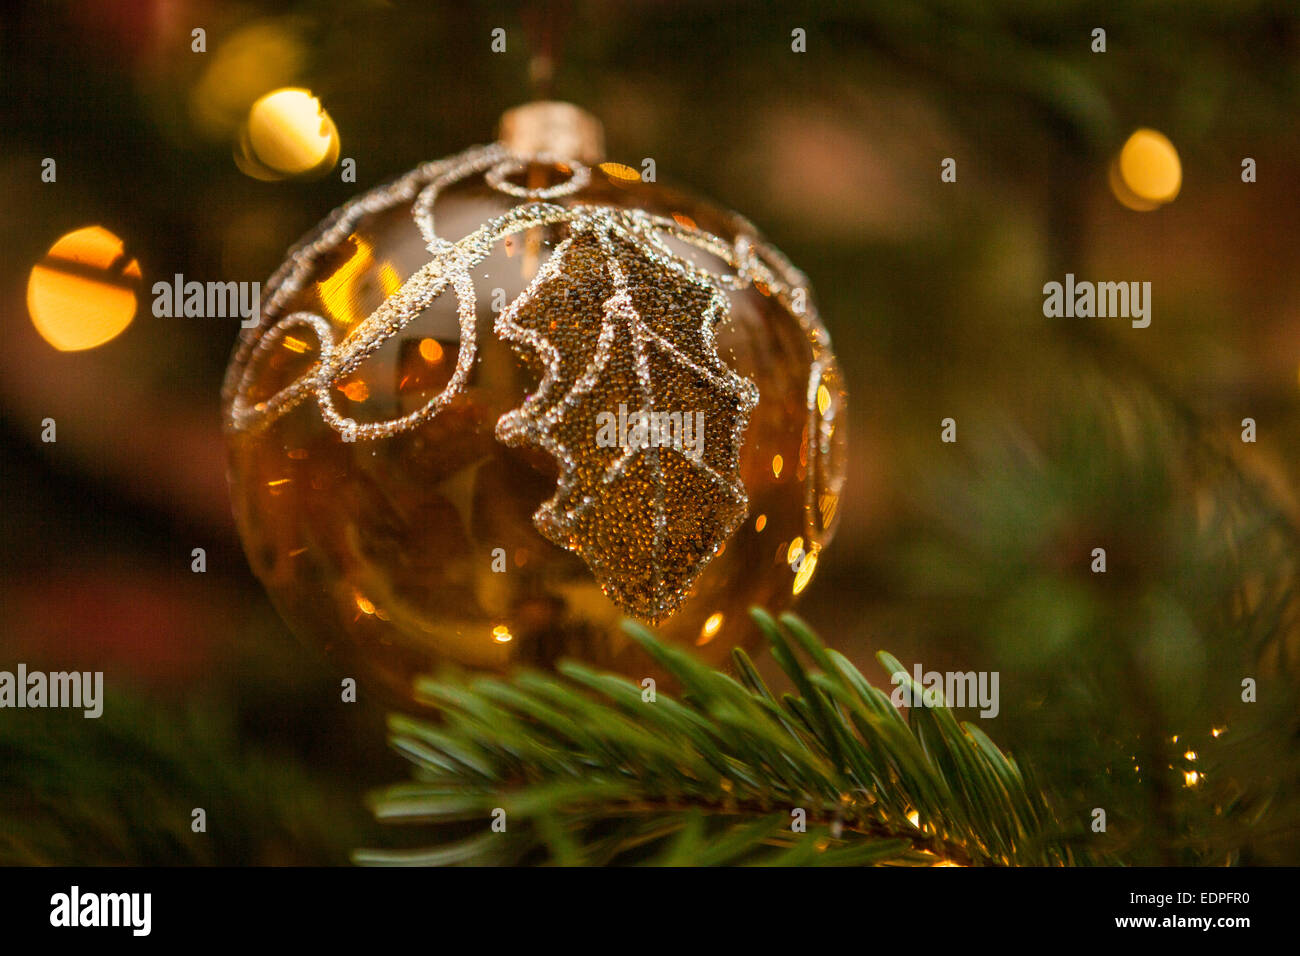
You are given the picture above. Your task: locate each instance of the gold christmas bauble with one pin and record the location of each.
(517, 395)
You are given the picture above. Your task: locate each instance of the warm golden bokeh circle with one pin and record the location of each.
(287, 134)
(1147, 173)
(84, 292)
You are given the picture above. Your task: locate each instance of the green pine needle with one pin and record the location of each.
(589, 772)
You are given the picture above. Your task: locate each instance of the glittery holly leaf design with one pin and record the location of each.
(617, 326)
(643, 417)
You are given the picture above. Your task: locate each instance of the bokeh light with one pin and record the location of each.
(84, 292)
(262, 56)
(287, 134)
(806, 569)
(710, 629)
(621, 173)
(1147, 173)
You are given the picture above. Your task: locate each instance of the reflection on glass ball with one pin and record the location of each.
(400, 547)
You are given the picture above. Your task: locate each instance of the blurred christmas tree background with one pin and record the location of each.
(1122, 690)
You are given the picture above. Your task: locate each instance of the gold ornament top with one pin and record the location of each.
(644, 419)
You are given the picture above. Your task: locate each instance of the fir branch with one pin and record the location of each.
(589, 770)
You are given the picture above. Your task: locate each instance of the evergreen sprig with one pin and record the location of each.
(590, 768)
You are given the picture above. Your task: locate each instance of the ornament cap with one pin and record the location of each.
(555, 128)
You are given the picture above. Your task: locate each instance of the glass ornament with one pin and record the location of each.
(513, 397)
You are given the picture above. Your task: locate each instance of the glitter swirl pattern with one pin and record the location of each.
(613, 317)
